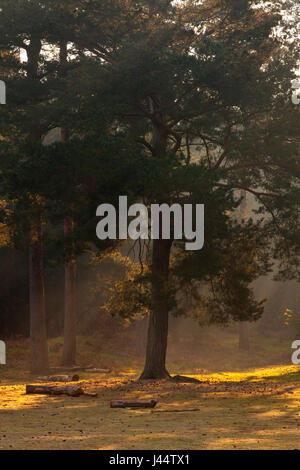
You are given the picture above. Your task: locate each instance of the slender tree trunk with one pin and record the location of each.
(7, 255)
(38, 332)
(69, 351)
(243, 336)
(38, 336)
(155, 365)
(243, 326)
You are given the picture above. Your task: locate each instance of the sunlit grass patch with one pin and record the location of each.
(239, 408)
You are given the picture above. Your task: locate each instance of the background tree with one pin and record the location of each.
(32, 28)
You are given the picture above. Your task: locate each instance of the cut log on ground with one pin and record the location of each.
(59, 378)
(70, 369)
(89, 368)
(133, 404)
(72, 391)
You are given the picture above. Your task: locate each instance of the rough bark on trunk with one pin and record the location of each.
(243, 336)
(38, 336)
(158, 320)
(141, 329)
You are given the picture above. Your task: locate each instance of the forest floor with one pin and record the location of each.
(238, 407)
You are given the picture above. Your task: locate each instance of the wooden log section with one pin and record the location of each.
(69, 369)
(71, 390)
(133, 404)
(80, 369)
(59, 378)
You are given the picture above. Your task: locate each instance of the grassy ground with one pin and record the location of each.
(245, 401)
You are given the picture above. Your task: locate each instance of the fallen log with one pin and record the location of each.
(89, 368)
(133, 404)
(71, 390)
(70, 369)
(59, 378)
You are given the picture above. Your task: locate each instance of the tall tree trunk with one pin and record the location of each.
(155, 365)
(244, 336)
(157, 340)
(7, 255)
(243, 326)
(38, 336)
(69, 350)
(38, 333)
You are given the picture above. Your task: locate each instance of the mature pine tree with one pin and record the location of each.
(208, 74)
